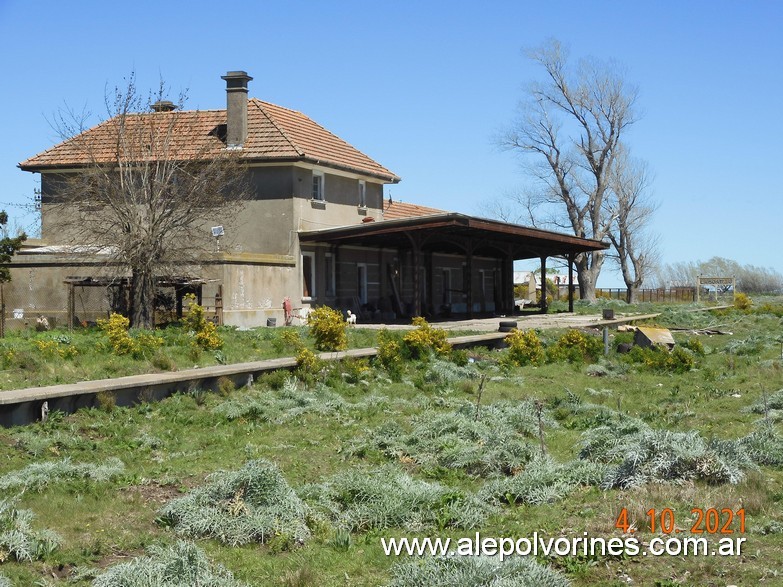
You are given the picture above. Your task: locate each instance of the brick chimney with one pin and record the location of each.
(236, 107)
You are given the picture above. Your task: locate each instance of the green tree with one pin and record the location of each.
(8, 247)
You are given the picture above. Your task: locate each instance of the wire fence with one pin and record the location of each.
(672, 295)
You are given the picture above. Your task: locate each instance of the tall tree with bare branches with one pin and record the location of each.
(630, 207)
(569, 131)
(150, 183)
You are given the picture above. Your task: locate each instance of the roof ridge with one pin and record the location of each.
(259, 104)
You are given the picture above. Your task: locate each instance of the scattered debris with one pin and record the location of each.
(648, 337)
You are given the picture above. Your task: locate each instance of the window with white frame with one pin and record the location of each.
(331, 288)
(362, 194)
(318, 185)
(308, 275)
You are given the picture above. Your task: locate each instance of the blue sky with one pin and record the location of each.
(424, 87)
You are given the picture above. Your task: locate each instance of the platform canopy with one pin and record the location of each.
(453, 232)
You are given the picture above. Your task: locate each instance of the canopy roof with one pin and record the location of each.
(451, 232)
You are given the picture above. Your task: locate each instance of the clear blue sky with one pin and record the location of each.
(423, 87)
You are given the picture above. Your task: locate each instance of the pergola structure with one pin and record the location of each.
(181, 285)
(455, 233)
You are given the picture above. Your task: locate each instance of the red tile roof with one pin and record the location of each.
(395, 210)
(273, 133)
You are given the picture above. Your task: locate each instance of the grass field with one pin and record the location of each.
(315, 475)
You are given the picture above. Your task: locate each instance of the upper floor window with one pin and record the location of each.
(318, 185)
(362, 194)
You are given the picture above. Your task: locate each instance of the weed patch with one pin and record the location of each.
(543, 481)
(180, 565)
(359, 500)
(488, 446)
(475, 572)
(38, 476)
(253, 504)
(18, 540)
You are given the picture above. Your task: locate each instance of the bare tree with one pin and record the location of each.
(631, 207)
(750, 278)
(571, 127)
(153, 179)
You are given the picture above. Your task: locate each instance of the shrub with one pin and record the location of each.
(122, 343)
(525, 348)
(772, 309)
(38, 476)
(543, 481)
(492, 445)
(475, 571)
(327, 327)
(640, 454)
(253, 504)
(162, 361)
(106, 400)
(116, 328)
(205, 334)
(695, 346)
(289, 339)
(359, 500)
(678, 360)
(355, 370)
(765, 445)
(390, 353)
(446, 373)
(274, 379)
(575, 347)
(180, 565)
(426, 339)
(772, 402)
(283, 405)
(308, 365)
(18, 540)
(753, 345)
(742, 301)
(52, 348)
(225, 386)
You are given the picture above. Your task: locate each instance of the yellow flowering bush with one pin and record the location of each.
(308, 365)
(327, 327)
(204, 331)
(742, 301)
(525, 348)
(575, 347)
(390, 353)
(122, 343)
(425, 339)
(52, 348)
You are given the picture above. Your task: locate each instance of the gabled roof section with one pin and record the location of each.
(395, 210)
(274, 134)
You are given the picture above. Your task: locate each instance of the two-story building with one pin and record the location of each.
(316, 228)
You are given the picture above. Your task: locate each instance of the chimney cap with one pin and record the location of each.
(163, 106)
(236, 80)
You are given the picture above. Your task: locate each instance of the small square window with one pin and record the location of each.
(318, 186)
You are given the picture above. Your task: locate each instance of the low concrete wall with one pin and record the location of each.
(23, 406)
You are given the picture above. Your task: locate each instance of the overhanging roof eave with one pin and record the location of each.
(549, 243)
